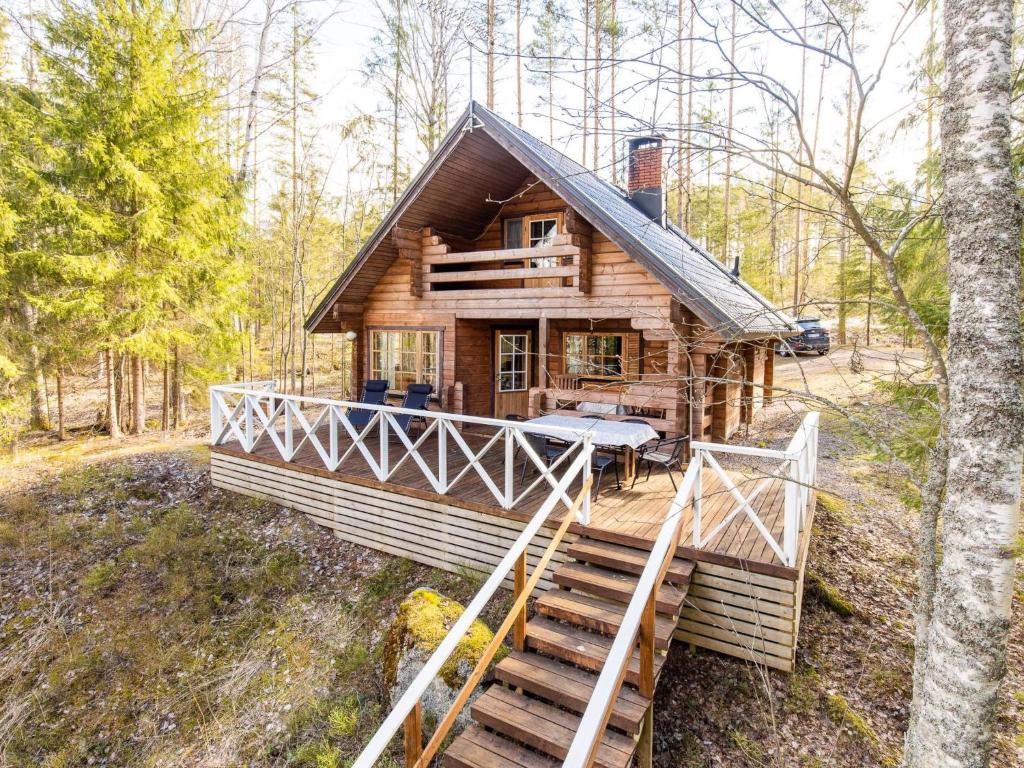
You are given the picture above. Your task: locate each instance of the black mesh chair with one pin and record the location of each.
(375, 392)
(547, 451)
(417, 397)
(599, 463)
(667, 453)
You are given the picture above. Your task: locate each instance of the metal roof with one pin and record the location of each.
(721, 300)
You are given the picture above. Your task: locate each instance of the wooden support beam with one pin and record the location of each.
(580, 228)
(519, 627)
(543, 338)
(645, 742)
(769, 372)
(414, 736)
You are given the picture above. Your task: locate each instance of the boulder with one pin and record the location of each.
(424, 619)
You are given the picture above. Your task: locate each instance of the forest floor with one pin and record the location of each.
(142, 624)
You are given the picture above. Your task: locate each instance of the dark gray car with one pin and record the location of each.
(813, 339)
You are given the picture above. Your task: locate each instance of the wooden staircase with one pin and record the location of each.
(529, 716)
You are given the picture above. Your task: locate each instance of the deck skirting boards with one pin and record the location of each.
(439, 535)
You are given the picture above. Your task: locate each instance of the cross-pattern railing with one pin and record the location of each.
(799, 468)
(253, 413)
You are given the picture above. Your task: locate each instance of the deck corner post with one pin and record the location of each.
(289, 434)
(519, 628)
(698, 493)
(216, 420)
(442, 454)
(583, 516)
(791, 513)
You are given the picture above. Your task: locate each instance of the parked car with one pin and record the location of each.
(813, 339)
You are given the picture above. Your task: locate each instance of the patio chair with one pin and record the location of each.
(375, 392)
(599, 463)
(417, 397)
(543, 448)
(667, 453)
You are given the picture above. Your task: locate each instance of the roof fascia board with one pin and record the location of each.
(451, 141)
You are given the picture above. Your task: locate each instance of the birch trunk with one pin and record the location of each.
(967, 637)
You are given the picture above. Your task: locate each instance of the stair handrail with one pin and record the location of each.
(408, 704)
(637, 622)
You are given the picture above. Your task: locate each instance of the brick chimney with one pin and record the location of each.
(644, 177)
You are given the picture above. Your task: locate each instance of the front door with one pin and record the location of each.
(511, 373)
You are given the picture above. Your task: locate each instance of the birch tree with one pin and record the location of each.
(969, 628)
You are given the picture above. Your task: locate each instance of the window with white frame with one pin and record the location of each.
(405, 357)
(594, 355)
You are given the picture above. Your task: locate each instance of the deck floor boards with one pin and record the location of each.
(632, 514)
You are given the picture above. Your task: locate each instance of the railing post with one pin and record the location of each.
(289, 439)
(647, 644)
(698, 492)
(414, 736)
(588, 449)
(249, 439)
(645, 744)
(384, 438)
(442, 453)
(791, 512)
(333, 448)
(216, 418)
(510, 469)
(519, 628)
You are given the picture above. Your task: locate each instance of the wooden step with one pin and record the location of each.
(619, 557)
(569, 687)
(544, 727)
(613, 585)
(597, 614)
(477, 748)
(580, 647)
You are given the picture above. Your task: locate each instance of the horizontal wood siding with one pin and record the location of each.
(435, 534)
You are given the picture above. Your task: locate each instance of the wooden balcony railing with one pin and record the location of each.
(556, 265)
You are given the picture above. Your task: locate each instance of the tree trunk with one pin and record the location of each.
(177, 414)
(165, 402)
(62, 433)
(519, 63)
(39, 411)
(967, 637)
(490, 53)
(138, 396)
(113, 407)
(728, 149)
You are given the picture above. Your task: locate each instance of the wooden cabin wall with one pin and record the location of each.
(473, 365)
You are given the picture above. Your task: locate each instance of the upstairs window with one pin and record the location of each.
(594, 355)
(405, 357)
(542, 232)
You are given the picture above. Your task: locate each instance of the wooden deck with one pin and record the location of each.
(627, 516)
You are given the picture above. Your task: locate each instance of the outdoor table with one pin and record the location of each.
(623, 435)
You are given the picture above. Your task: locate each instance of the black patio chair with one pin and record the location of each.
(417, 397)
(375, 392)
(544, 448)
(667, 453)
(599, 463)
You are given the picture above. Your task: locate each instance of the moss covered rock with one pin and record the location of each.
(424, 619)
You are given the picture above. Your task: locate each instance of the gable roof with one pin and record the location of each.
(721, 300)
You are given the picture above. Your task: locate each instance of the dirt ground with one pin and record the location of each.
(149, 619)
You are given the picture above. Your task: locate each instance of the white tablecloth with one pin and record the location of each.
(605, 408)
(607, 433)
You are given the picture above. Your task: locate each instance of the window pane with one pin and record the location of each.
(542, 232)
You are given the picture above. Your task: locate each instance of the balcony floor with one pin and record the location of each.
(628, 516)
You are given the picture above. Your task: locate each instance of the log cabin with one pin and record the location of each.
(518, 282)
(523, 287)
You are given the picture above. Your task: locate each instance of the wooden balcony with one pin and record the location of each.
(555, 266)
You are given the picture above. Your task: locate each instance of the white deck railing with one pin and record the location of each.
(799, 466)
(252, 413)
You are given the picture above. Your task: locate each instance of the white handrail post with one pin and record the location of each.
(333, 427)
(216, 418)
(289, 440)
(698, 493)
(442, 453)
(249, 439)
(791, 512)
(583, 516)
(510, 470)
(384, 437)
